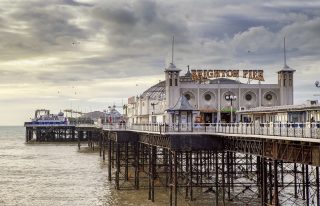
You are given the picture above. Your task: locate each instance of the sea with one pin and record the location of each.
(58, 175)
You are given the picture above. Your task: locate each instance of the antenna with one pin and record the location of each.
(172, 49)
(284, 52)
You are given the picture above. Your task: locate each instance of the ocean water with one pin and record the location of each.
(58, 175)
(49, 174)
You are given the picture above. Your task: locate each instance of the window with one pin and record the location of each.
(187, 96)
(207, 97)
(268, 97)
(176, 82)
(248, 97)
(154, 119)
(170, 82)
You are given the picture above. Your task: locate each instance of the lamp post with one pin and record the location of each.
(231, 98)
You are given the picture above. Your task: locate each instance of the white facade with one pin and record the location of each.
(209, 97)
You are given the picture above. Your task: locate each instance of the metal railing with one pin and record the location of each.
(50, 124)
(302, 130)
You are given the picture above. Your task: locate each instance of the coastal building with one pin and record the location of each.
(215, 95)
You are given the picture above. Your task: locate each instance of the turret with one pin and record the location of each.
(172, 85)
(285, 81)
(172, 75)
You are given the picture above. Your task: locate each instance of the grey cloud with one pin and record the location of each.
(76, 3)
(47, 28)
(137, 24)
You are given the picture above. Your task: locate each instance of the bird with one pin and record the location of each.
(75, 42)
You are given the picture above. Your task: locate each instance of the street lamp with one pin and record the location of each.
(230, 97)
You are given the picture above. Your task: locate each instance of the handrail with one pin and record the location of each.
(302, 130)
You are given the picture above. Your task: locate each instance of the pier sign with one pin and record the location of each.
(208, 74)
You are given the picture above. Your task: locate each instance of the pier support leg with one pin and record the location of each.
(126, 156)
(191, 176)
(223, 178)
(295, 180)
(228, 176)
(103, 146)
(264, 181)
(109, 160)
(79, 143)
(171, 176)
(276, 197)
(317, 186)
(188, 178)
(100, 145)
(150, 172)
(270, 182)
(117, 165)
(137, 165)
(217, 178)
(175, 179)
(153, 170)
(303, 183)
(259, 176)
(307, 185)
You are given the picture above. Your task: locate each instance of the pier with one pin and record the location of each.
(252, 164)
(61, 133)
(216, 164)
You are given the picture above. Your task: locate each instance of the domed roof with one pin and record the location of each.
(286, 68)
(157, 91)
(172, 67)
(60, 114)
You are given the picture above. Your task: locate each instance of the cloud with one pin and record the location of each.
(100, 49)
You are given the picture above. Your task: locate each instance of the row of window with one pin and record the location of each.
(248, 97)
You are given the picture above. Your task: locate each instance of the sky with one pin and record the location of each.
(90, 54)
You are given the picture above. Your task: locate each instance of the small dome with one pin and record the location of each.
(60, 114)
(172, 67)
(286, 68)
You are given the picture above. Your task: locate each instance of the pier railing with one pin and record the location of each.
(302, 130)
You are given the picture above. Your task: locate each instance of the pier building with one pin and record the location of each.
(302, 113)
(216, 94)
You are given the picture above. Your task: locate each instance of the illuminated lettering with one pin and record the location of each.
(222, 73)
(207, 74)
(245, 73)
